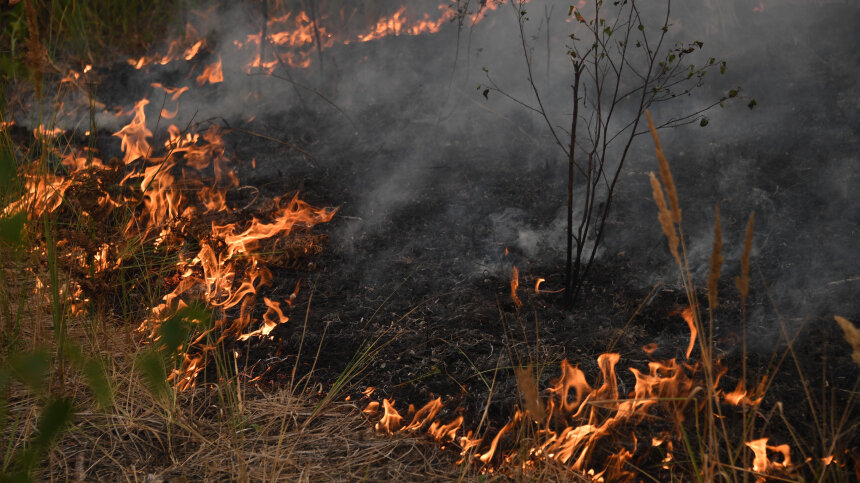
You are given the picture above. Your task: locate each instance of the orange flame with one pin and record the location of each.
(391, 419)
(761, 462)
(212, 74)
(688, 316)
(515, 284)
(134, 135)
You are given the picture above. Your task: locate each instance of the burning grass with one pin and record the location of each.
(132, 283)
(678, 422)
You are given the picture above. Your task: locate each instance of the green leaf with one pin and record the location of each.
(733, 93)
(53, 420)
(704, 122)
(31, 368)
(11, 229)
(96, 376)
(752, 104)
(723, 67)
(175, 330)
(151, 367)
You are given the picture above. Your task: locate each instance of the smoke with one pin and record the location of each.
(427, 166)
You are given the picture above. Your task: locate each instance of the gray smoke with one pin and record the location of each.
(414, 109)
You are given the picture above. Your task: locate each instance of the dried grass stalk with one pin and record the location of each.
(665, 218)
(743, 282)
(665, 173)
(852, 335)
(36, 54)
(716, 260)
(528, 387)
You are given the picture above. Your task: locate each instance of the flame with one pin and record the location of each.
(515, 283)
(761, 462)
(397, 24)
(134, 135)
(689, 317)
(741, 397)
(46, 134)
(186, 48)
(578, 417)
(164, 194)
(425, 415)
(272, 318)
(391, 419)
(650, 348)
(174, 92)
(212, 74)
(292, 38)
(486, 457)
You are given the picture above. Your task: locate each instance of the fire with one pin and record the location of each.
(164, 193)
(761, 463)
(689, 317)
(186, 48)
(212, 74)
(391, 419)
(515, 283)
(291, 38)
(397, 24)
(134, 135)
(577, 417)
(741, 397)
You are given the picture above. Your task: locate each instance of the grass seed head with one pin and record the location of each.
(852, 335)
(743, 281)
(665, 173)
(665, 218)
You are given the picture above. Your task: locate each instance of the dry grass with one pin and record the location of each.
(259, 434)
(139, 441)
(270, 435)
(852, 336)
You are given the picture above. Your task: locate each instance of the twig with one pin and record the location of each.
(318, 93)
